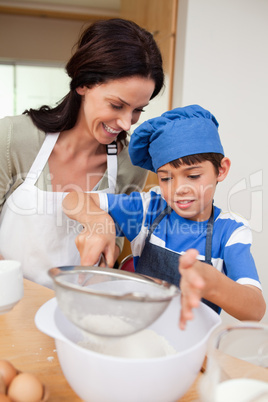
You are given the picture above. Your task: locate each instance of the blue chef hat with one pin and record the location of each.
(177, 133)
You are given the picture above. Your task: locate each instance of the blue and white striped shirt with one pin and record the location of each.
(134, 214)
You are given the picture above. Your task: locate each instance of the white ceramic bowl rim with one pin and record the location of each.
(50, 327)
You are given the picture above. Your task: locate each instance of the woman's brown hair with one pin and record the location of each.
(107, 50)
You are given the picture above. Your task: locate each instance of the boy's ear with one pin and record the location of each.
(224, 169)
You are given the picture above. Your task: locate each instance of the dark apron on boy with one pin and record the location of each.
(161, 263)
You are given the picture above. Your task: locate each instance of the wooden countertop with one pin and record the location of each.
(30, 350)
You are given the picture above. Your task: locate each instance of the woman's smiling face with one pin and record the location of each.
(112, 107)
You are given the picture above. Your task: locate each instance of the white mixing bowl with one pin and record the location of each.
(97, 377)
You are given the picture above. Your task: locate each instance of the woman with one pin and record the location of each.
(81, 144)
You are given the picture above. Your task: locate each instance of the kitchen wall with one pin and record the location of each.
(221, 64)
(24, 38)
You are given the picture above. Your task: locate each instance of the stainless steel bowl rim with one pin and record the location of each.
(58, 273)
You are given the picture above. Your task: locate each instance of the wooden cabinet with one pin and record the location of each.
(160, 18)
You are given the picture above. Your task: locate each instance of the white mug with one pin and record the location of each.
(11, 284)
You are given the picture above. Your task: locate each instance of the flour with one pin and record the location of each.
(145, 344)
(106, 324)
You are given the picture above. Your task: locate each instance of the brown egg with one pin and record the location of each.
(25, 387)
(4, 398)
(2, 386)
(7, 371)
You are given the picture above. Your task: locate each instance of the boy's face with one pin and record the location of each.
(189, 190)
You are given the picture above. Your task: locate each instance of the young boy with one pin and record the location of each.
(183, 147)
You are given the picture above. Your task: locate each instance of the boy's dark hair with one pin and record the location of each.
(214, 158)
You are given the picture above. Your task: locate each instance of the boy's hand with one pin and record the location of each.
(191, 285)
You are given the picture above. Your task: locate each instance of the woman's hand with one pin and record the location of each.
(98, 234)
(95, 239)
(191, 285)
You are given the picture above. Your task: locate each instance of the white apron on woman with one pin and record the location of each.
(33, 227)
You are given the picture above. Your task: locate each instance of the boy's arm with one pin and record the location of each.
(98, 235)
(244, 302)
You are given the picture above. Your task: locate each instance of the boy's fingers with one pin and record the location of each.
(186, 315)
(191, 286)
(193, 282)
(188, 258)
